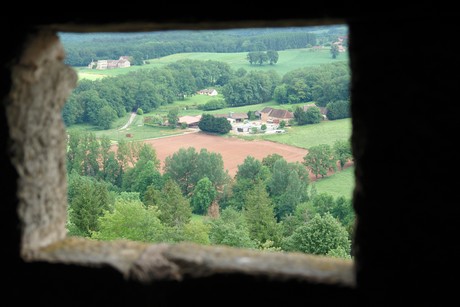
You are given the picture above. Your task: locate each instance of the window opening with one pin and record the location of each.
(202, 136)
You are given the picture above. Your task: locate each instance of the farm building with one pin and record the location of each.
(208, 91)
(122, 62)
(234, 117)
(190, 121)
(270, 115)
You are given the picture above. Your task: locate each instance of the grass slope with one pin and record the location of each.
(326, 132)
(341, 183)
(288, 60)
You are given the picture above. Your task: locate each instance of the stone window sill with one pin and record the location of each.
(161, 262)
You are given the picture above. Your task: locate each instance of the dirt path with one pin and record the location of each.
(130, 120)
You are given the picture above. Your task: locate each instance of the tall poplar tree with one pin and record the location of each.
(260, 217)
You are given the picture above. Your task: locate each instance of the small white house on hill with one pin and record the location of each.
(208, 91)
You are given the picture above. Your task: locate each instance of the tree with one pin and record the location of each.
(209, 123)
(112, 170)
(254, 87)
(145, 171)
(313, 115)
(230, 229)
(181, 167)
(187, 167)
(175, 210)
(323, 203)
(130, 220)
(252, 57)
(259, 214)
(321, 235)
(203, 196)
(252, 169)
(288, 186)
(106, 116)
(151, 196)
(300, 116)
(342, 151)
(338, 109)
(273, 56)
(173, 117)
(196, 232)
(320, 159)
(270, 160)
(334, 51)
(210, 165)
(344, 212)
(88, 200)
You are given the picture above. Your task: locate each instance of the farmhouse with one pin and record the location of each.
(122, 62)
(208, 91)
(271, 115)
(339, 43)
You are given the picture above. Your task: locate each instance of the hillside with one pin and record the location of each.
(288, 60)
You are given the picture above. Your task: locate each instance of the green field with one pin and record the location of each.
(341, 183)
(136, 129)
(288, 60)
(326, 132)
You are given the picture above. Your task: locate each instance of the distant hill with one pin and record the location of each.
(82, 48)
(288, 61)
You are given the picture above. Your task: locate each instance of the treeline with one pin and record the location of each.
(270, 203)
(82, 49)
(100, 102)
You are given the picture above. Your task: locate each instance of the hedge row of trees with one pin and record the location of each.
(269, 204)
(100, 102)
(260, 57)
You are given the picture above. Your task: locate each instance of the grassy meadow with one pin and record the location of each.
(137, 129)
(326, 132)
(288, 60)
(338, 184)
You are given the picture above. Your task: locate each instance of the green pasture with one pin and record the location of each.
(137, 130)
(288, 60)
(326, 132)
(341, 183)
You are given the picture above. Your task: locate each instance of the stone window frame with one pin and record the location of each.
(41, 83)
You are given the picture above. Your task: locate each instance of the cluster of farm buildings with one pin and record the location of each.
(122, 62)
(240, 121)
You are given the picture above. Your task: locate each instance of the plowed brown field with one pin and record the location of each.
(233, 150)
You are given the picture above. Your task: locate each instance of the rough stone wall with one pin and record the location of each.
(405, 197)
(41, 84)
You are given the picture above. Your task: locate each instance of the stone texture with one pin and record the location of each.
(41, 84)
(161, 262)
